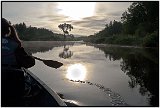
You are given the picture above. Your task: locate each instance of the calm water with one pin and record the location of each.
(98, 75)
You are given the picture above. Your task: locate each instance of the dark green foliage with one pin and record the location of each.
(36, 34)
(112, 28)
(142, 29)
(141, 13)
(151, 40)
(138, 27)
(123, 40)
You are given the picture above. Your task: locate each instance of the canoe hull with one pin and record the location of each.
(41, 95)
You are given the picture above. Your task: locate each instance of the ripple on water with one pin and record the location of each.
(116, 99)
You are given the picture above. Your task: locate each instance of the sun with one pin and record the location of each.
(76, 72)
(76, 10)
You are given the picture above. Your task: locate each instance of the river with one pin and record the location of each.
(99, 75)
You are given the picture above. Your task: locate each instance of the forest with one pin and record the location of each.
(36, 34)
(29, 33)
(139, 26)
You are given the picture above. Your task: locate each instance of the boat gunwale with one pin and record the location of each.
(49, 90)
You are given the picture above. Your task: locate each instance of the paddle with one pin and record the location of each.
(50, 63)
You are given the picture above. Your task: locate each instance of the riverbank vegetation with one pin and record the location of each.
(139, 26)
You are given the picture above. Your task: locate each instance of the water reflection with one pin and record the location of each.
(76, 72)
(71, 102)
(68, 102)
(116, 99)
(44, 46)
(141, 66)
(66, 53)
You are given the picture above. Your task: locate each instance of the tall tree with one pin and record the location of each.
(141, 12)
(65, 28)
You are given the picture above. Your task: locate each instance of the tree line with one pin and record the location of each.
(36, 34)
(139, 25)
(29, 33)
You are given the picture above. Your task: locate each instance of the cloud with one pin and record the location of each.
(47, 14)
(89, 24)
(53, 17)
(105, 7)
(104, 13)
(111, 9)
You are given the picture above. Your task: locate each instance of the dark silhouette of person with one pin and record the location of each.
(13, 58)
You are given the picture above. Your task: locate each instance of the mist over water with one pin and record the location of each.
(99, 75)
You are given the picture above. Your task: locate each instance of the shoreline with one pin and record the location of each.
(62, 43)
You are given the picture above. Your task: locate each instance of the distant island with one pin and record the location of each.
(139, 26)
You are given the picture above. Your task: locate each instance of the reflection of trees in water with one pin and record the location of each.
(141, 65)
(143, 72)
(43, 46)
(66, 53)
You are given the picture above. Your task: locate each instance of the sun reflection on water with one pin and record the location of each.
(76, 72)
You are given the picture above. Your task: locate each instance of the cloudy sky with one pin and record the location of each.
(87, 18)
